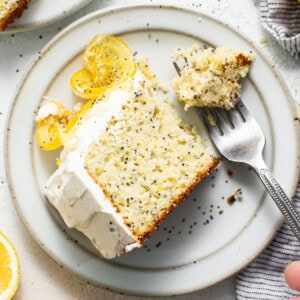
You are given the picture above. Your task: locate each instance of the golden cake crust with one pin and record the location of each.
(179, 199)
(13, 12)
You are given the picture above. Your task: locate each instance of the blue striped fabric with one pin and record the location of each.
(282, 19)
(264, 277)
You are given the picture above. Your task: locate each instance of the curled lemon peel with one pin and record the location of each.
(108, 61)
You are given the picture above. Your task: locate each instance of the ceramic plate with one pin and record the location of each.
(44, 12)
(206, 239)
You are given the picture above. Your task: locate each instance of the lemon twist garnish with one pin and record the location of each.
(108, 61)
(9, 268)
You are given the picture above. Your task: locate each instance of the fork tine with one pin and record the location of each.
(177, 68)
(235, 116)
(213, 129)
(241, 107)
(222, 120)
(179, 65)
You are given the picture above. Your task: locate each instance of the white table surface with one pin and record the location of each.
(41, 277)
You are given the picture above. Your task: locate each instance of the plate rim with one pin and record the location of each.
(12, 28)
(113, 10)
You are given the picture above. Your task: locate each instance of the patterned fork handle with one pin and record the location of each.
(285, 205)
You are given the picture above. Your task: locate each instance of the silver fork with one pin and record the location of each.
(239, 138)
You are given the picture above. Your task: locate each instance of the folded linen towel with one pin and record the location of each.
(264, 277)
(282, 19)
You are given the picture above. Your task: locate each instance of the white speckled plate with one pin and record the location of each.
(206, 239)
(44, 12)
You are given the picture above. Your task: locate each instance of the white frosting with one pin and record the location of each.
(49, 108)
(79, 200)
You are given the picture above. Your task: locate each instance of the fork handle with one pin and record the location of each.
(285, 205)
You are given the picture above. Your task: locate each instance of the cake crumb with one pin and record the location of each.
(231, 199)
(229, 172)
(263, 40)
(237, 196)
(210, 77)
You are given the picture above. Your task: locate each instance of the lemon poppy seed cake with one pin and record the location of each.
(131, 163)
(128, 160)
(211, 77)
(146, 161)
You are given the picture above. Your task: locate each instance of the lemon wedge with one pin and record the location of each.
(107, 61)
(9, 268)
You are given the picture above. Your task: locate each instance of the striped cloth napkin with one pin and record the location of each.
(264, 278)
(282, 19)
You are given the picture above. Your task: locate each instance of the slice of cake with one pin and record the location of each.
(10, 10)
(128, 159)
(211, 77)
(146, 161)
(127, 163)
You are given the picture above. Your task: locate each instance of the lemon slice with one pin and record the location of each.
(76, 115)
(9, 268)
(53, 128)
(107, 61)
(49, 133)
(51, 125)
(85, 86)
(107, 50)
